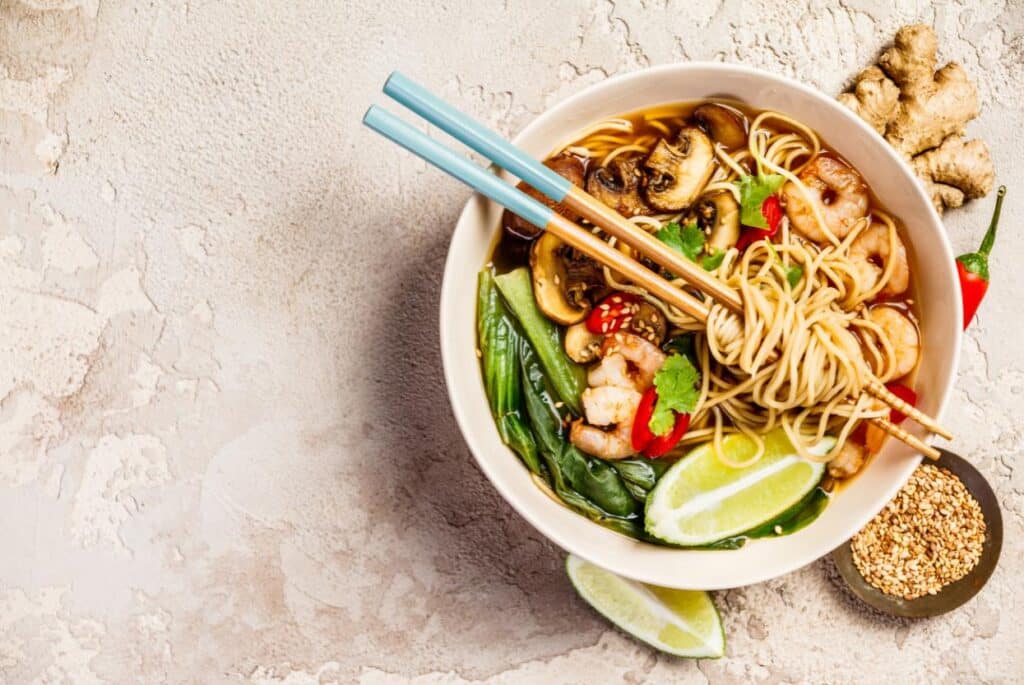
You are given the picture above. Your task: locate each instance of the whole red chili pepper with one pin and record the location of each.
(973, 266)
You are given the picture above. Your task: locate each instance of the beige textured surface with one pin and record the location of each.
(225, 449)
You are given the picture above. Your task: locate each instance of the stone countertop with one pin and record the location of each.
(226, 452)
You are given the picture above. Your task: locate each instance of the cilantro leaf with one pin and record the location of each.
(713, 260)
(754, 190)
(794, 274)
(676, 384)
(687, 239)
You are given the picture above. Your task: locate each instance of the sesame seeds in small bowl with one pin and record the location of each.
(932, 548)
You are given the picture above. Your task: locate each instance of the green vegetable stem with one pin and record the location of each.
(500, 344)
(566, 377)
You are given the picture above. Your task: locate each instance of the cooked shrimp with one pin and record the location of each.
(849, 460)
(627, 367)
(836, 190)
(643, 356)
(871, 252)
(902, 334)
(611, 370)
(607, 405)
(610, 445)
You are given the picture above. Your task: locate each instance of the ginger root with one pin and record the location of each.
(923, 114)
(874, 98)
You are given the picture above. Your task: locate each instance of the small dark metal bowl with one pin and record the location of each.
(954, 594)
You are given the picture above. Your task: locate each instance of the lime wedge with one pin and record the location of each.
(680, 622)
(701, 500)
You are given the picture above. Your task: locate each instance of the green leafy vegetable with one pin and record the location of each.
(676, 383)
(497, 347)
(589, 485)
(566, 377)
(500, 345)
(598, 481)
(519, 438)
(754, 190)
(712, 261)
(691, 241)
(540, 407)
(794, 274)
(640, 475)
(687, 239)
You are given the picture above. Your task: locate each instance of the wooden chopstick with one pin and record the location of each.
(603, 253)
(613, 223)
(878, 389)
(902, 435)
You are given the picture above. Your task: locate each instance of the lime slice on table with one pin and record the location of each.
(701, 500)
(680, 622)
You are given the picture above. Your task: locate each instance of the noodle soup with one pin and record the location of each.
(758, 200)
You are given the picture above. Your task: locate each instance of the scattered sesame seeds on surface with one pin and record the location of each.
(930, 535)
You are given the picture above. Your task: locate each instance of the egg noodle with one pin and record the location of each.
(801, 354)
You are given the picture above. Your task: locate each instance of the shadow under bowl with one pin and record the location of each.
(954, 594)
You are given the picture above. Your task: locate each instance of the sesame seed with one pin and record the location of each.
(930, 535)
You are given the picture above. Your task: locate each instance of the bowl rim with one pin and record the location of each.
(451, 365)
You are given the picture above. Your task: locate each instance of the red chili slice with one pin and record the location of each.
(642, 435)
(663, 443)
(771, 210)
(612, 313)
(646, 442)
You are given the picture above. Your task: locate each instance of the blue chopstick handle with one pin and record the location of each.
(417, 142)
(476, 136)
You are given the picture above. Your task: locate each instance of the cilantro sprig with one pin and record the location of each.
(754, 190)
(691, 241)
(677, 384)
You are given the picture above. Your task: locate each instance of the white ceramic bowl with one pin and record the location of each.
(937, 289)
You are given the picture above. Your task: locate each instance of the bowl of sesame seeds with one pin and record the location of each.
(932, 548)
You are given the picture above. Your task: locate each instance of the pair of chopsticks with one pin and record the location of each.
(562, 191)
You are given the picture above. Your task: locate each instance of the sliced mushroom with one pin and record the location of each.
(567, 166)
(617, 185)
(678, 172)
(723, 125)
(649, 323)
(718, 215)
(582, 277)
(581, 345)
(549, 278)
